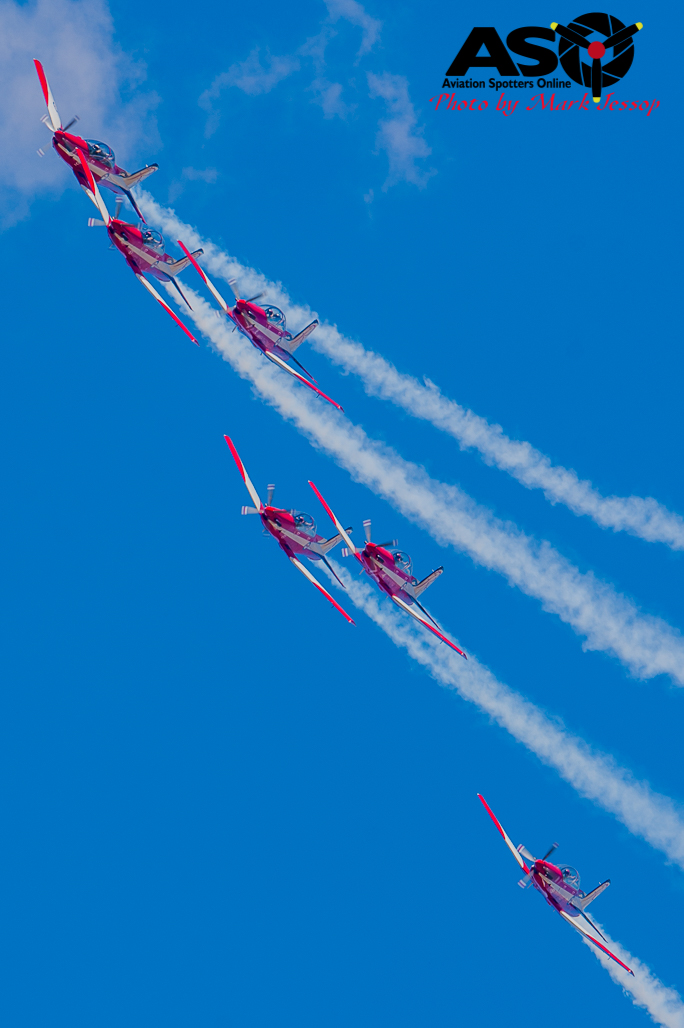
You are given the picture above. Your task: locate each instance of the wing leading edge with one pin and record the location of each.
(518, 858)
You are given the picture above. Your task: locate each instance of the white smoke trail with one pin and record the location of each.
(640, 516)
(662, 1003)
(592, 774)
(610, 622)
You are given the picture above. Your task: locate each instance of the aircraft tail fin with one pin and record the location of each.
(333, 541)
(128, 181)
(591, 896)
(174, 268)
(297, 340)
(427, 582)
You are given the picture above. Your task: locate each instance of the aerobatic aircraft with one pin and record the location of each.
(99, 156)
(560, 887)
(142, 246)
(294, 531)
(390, 569)
(265, 328)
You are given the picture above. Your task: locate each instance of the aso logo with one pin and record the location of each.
(594, 50)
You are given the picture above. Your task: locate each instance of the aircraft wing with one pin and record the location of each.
(210, 285)
(574, 921)
(314, 581)
(91, 189)
(424, 621)
(281, 364)
(245, 477)
(342, 531)
(55, 120)
(150, 288)
(508, 842)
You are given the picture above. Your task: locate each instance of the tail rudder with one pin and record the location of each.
(419, 589)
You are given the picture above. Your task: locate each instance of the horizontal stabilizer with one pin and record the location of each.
(422, 586)
(332, 541)
(249, 510)
(591, 896)
(297, 340)
(174, 268)
(128, 181)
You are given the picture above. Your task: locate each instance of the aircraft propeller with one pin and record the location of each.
(234, 286)
(269, 494)
(524, 852)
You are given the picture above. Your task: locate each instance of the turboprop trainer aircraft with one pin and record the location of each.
(142, 246)
(294, 531)
(560, 887)
(390, 569)
(265, 328)
(99, 156)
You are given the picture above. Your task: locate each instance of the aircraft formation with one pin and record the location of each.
(94, 165)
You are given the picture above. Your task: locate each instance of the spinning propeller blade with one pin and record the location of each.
(389, 542)
(525, 853)
(269, 493)
(72, 122)
(117, 207)
(547, 855)
(367, 529)
(257, 297)
(232, 282)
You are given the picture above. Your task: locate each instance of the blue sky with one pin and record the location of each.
(222, 804)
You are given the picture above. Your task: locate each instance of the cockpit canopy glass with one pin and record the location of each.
(151, 237)
(275, 316)
(570, 876)
(100, 151)
(402, 560)
(304, 522)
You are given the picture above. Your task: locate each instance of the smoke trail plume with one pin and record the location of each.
(592, 774)
(610, 622)
(644, 517)
(662, 1003)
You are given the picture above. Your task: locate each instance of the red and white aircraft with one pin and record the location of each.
(294, 531)
(265, 328)
(560, 887)
(142, 246)
(390, 569)
(99, 156)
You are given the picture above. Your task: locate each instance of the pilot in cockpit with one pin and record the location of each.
(151, 237)
(275, 316)
(100, 151)
(304, 522)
